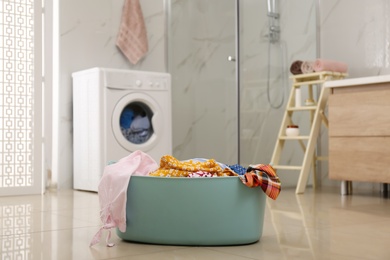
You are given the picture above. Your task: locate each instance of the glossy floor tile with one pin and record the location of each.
(319, 224)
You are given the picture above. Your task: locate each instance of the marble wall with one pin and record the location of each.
(358, 36)
(87, 33)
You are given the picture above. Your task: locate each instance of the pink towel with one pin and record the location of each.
(112, 191)
(329, 65)
(132, 38)
(307, 67)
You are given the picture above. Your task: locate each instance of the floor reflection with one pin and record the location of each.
(15, 231)
(289, 223)
(316, 225)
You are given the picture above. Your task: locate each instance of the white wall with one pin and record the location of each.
(358, 33)
(87, 33)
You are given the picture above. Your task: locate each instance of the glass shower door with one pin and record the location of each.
(204, 90)
(273, 34)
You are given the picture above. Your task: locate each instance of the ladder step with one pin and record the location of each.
(299, 137)
(287, 167)
(302, 108)
(302, 83)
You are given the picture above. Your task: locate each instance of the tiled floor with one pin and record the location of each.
(315, 225)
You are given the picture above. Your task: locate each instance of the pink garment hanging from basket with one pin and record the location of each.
(112, 190)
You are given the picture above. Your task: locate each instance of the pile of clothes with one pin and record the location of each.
(319, 65)
(198, 167)
(255, 175)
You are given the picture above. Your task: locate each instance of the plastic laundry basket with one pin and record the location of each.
(193, 211)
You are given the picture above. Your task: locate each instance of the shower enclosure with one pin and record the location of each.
(229, 61)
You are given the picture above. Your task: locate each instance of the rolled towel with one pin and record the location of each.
(295, 68)
(307, 67)
(330, 65)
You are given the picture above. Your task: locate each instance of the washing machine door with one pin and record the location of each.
(137, 122)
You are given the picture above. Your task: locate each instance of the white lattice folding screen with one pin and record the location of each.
(20, 77)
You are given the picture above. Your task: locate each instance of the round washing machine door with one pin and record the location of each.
(137, 122)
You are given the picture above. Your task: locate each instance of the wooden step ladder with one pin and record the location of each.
(316, 117)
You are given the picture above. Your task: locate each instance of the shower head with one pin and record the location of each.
(273, 8)
(274, 28)
(270, 5)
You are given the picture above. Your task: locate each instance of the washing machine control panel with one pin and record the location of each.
(137, 80)
(151, 84)
(144, 84)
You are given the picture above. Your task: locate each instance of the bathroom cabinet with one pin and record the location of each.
(359, 129)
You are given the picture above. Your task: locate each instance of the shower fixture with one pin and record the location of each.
(273, 8)
(273, 37)
(231, 58)
(274, 34)
(273, 20)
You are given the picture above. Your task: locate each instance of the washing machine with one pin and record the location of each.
(116, 112)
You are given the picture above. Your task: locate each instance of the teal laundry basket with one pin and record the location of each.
(193, 211)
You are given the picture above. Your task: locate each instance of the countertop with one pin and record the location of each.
(357, 81)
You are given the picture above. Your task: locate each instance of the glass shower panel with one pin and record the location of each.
(262, 83)
(269, 43)
(204, 92)
(204, 84)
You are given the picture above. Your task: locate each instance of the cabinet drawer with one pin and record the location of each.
(359, 159)
(360, 111)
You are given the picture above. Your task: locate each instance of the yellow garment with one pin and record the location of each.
(171, 167)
